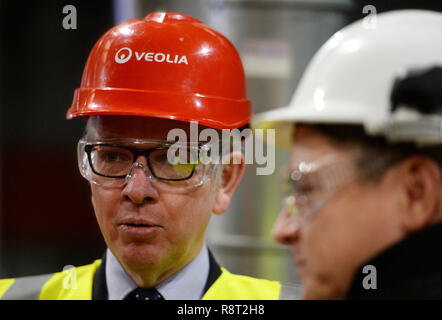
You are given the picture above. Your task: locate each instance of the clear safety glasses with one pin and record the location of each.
(112, 162)
(308, 185)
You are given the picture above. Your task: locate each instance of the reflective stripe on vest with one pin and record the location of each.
(71, 284)
(76, 284)
(290, 292)
(26, 288)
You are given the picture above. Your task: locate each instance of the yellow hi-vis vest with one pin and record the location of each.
(76, 284)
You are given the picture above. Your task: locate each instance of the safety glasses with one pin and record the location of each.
(112, 162)
(308, 185)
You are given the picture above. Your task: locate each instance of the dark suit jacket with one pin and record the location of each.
(410, 269)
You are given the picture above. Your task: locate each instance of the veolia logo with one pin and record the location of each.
(123, 55)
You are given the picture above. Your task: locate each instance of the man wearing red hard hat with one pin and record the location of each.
(143, 79)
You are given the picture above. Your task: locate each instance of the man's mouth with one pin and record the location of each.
(300, 268)
(137, 225)
(138, 222)
(300, 261)
(135, 228)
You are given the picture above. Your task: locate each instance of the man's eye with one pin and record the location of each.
(113, 157)
(303, 189)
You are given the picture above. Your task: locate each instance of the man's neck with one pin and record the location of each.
(150, 276)
(186, 283)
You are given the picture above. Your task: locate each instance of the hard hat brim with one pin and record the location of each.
(214, 112)
(284, 119)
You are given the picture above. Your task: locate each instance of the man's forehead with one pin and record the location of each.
(311, 145)
(132, 127)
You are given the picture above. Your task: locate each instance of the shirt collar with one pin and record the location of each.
(186, 284)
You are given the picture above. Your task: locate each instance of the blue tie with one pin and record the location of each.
(144, 294)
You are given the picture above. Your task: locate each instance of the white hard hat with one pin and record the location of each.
(349, 80)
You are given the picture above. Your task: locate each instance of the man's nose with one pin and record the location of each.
(139, 188)
(286, 228)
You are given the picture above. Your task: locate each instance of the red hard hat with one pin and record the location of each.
(167, 65)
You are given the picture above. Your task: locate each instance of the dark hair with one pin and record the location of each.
(375, 149)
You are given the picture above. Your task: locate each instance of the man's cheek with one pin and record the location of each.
(104, 211)
(318, 245)
(104, 198)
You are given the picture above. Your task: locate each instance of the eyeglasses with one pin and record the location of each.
(309, 185)
(111, 163)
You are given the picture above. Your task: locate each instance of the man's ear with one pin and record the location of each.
(228, 181)
(420, 181)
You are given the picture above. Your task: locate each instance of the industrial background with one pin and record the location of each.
(46, 216)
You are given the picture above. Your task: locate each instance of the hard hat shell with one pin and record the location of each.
(167, 65)
(349, 80)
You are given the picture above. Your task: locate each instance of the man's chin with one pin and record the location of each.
(314, 289)
(139, 255)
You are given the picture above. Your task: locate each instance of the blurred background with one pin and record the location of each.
(46, 216)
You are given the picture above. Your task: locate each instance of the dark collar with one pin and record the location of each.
(99, 289)
(410, 269)
(214, 272)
